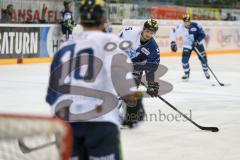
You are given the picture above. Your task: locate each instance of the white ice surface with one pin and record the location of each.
(23, 90)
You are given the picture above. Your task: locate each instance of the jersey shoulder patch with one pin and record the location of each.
(145, 51)
(193, 29)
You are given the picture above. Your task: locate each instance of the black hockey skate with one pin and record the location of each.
(132, 115)
(207, 75)
(185, 77)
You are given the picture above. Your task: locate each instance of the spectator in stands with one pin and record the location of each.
(230, 17)
(67, 21)
(7, 14)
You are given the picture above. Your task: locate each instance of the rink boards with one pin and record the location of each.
(37, 43)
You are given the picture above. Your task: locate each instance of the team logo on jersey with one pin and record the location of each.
(193, 29)
(145, 51)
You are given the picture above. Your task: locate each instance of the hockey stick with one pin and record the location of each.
(202, 58)
(213, 129)
(25, 149)
(67, 35)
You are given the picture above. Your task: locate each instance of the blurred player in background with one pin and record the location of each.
(145, 56)
(67, 21)
(81, 87)
(193, 36)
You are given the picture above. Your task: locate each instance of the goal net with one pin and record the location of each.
(34, 138)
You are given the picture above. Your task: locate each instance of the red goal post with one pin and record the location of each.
(43, 137)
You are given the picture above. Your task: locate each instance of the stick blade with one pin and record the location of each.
(23, 147)
(213, 129)
(225, 84)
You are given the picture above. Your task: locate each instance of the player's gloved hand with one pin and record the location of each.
(173, 46)
(195, 43)
(131, 99)
(152, 89)
(132, 53)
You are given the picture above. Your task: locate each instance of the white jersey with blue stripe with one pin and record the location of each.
(189, 35)
(92, 43)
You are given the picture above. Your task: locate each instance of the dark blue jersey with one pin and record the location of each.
(197, 32)
(149, 52)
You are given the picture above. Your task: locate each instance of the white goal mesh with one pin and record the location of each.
(34, 138)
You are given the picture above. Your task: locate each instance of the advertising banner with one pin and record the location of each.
(223, 35)
(29, 41)
(201, 13)
(32, 11)
(167, 12)
(19, 42)
(176, 12)
(50, 40)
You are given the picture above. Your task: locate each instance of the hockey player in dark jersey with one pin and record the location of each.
(193, 37)
(145, 56)
(67, 21)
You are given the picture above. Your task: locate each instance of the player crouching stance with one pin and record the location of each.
(82, 89)
(145, 56)
(193, 36)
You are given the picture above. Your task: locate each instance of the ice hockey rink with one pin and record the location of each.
(23, 90)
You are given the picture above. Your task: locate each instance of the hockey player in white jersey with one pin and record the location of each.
(193, 36)
(88, 74)
(145, 56)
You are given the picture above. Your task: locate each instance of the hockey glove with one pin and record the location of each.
(132, 99)
(152, 89)
(173, 46)
(132, 53)
(195, 43)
